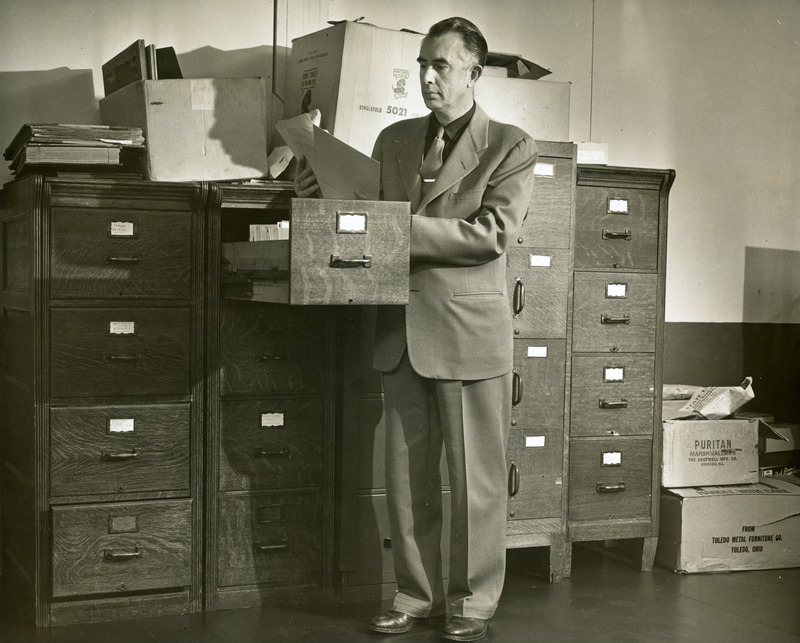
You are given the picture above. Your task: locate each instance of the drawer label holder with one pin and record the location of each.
(351, 222)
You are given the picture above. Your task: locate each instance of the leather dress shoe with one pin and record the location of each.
(392, 622)
(461, 628)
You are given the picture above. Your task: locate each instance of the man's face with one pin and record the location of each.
(447, 75)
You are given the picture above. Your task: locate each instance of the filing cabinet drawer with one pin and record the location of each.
(610, 479)
(614, 312)
(116, 351)
(121, 547)
(119, 449)
(549, 216)
(538, 385)
(616, 228)
(612, 395)
(269, 538)
(271, 443)
(339, 252)
(267, 349)
(537, 280)
(535, 464)
(107, 253)
(373, 563)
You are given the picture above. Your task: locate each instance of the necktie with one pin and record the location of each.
(432, 162)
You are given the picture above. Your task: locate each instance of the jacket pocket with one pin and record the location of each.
(488, 294)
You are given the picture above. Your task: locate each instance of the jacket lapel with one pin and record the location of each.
(463, 159)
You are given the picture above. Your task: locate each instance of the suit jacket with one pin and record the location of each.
(457, 324)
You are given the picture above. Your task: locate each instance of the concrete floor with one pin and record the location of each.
(604, 600)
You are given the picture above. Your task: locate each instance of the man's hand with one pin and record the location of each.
(305, 183)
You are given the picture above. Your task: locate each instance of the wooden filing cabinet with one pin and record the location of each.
(273, 377)
(617, 321)
(102, 429)
(538, 276)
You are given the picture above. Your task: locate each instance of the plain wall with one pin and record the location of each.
(708, 87)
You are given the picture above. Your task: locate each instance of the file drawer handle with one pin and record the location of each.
(113, 456)
(125, 260)
(609, 319)
(122, 359)
(114, 556)
(516, 390)
(610, 488)
(258, 546)
(513, 481)
(261, 452)
(519, 297)
(625, 235)
(338, 262)
(267, 357)
(622, 404)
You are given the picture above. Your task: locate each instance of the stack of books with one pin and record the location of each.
(49, 146)
(140, 61)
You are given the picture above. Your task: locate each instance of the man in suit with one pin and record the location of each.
(446, 358)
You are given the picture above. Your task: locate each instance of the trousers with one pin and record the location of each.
(470, 420)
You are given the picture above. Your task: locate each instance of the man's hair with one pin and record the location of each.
(473, 39)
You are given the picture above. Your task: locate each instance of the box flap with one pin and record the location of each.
(773, 485)
(518, 67)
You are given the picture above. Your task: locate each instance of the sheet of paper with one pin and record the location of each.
(342, 171)
(298, 134)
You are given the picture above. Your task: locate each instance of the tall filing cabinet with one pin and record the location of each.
(269, 425)
(102, 418)
(538, 276)
(617, 321)
(273, 373)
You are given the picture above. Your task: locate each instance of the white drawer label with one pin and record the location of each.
(121, 425)
(616, 291)
(540, 261)
(537, 351)
(351, 222)
(617, 206)
(534, 441)
(613, 374)
(121, 229)
(612, 458)
(544, 169)
(271, 419)
(122, 327)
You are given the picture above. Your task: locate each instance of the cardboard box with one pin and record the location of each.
(787, 438)
(709, 452)
(592, 153)
(363, 78)
(715, 529)
(211, 129)
(540, 107)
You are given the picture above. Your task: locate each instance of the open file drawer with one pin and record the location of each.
(338, 252)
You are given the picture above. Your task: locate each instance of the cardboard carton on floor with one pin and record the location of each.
(731, 528)
(363, 78)
(709, 452)
(209, 129)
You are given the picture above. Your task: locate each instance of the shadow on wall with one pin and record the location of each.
(209, 62)
(771, 286)
(771, 337)
(51, 96)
